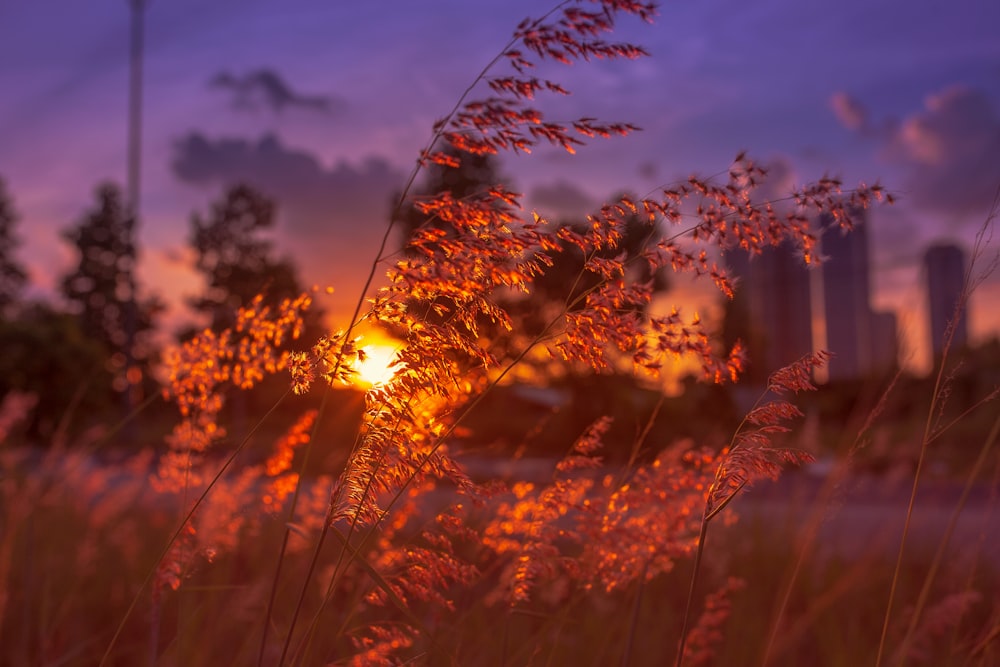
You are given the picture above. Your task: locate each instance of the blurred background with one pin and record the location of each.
(321, 109)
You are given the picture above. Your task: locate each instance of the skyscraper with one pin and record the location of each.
(771, 312)
(885, 341)
(846, 293)
(783, 310)
(944, 265)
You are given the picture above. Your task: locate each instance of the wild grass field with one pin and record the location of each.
(249, 537)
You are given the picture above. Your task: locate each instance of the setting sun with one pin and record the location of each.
(377, 365)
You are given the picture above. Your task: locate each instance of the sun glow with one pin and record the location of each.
(376, 366)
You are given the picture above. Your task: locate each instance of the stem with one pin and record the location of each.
(936, 398)
(690, 599)
(302, 594)
(946, 539)
(166, 549)
(634, 622)
(287, 533)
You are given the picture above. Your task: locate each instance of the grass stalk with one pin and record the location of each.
(944, 542)
(699, 552)
(293, 504)
(633, 625)
(937, 397)
(180, 528)
(691, 591)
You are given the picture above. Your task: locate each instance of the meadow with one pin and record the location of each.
(272, 546)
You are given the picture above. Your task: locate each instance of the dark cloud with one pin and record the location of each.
(649, 171)
(265, 87)
(331, 219)
(561, 200)
(950, 149)
(296, 177)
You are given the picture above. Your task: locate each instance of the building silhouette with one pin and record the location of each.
(944, 266)
(846, 297)
(784, 310)
(772, 309)
(885, 342)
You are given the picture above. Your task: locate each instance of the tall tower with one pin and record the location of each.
(771, 312)
(885, 342)
(944, 265)
(846, 297)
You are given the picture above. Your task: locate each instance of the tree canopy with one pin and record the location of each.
(13, 276)
(236, 259)
(103, 289)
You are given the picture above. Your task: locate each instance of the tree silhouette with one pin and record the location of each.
(44, 352)
(101, 290)
(238, 264)
(12, 275)
(235, 260)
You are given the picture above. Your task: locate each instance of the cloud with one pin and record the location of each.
(950, 150)
(265, 87)
(331, 219)
(958, 128)
(849, 111)
(648, 170)
(561, 200)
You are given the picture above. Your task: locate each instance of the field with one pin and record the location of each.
(516, 485)
(89, 534)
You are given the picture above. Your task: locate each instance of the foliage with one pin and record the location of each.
(103, 288)
(12, 275)
(443, 295)
(399, 555)
(235, 259)
(42, 344)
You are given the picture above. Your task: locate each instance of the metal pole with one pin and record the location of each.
(133, 188)
(135, 106)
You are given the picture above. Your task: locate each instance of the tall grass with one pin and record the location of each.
(399, 556)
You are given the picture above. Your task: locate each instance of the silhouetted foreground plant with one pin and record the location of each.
(579, 530)
(400, 556)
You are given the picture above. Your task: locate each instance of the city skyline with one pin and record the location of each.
(325, 108)
(784, 309)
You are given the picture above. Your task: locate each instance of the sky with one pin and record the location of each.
(325, 105)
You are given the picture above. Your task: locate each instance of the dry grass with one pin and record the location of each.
(399, 557)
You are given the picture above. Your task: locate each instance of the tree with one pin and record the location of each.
(12, 274)
(45, 352)
(102, 290)
(236, 262)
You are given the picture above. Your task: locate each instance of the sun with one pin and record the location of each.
(376, 367)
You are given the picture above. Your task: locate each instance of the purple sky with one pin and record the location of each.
(900, 91)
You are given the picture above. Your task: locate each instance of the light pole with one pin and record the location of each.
(133, 191)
